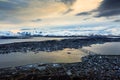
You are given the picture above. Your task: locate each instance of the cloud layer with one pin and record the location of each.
(109, 8)
(45, 13)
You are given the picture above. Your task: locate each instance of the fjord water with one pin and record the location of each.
(62, 56)
(108, 48)
(66, 55)
(19, 58)
(6, 41)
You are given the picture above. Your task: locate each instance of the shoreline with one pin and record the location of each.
(92, 67)
(52, 45)
(97, 67)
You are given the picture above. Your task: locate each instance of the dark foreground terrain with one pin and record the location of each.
(92, 67)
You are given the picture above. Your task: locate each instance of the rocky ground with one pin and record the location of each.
(52, 45)
(92, 67)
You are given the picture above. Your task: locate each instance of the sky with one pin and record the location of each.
(59, 14)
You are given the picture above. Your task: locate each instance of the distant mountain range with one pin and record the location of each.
(25, 33)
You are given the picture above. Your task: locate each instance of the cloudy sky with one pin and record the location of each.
(16, 14)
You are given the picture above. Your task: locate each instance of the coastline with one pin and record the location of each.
(52, 45)
(92, 67)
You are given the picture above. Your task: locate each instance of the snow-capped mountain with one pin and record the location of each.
(76, 31)
(8, 33)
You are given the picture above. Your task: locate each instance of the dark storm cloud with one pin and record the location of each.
(13, 10)
(86, 19)
(68, 11)
(37, 20)
(109, 8)
(7, 5)
(12, 4)
(109, 13)
(67, 2)
(83, 13)
(116, 20)
(9, 9)
(110, 4)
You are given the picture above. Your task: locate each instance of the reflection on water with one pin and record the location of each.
(63, 56)
(5, 41)
(109, 48)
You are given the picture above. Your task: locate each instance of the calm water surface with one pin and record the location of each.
(62, 56)
(6, 41)
(109, 48)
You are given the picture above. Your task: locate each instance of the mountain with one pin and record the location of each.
(83, 31)
(7, 33)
